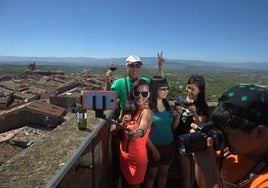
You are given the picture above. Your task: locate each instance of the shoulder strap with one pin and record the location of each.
(127, 90)
(252, 173)
(138, 114)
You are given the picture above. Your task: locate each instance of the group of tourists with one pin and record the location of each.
(149, 143)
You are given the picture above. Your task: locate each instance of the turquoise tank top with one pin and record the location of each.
(161, 131)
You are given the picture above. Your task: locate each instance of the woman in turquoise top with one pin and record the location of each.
(160, 143)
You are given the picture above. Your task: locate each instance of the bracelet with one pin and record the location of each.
(142, 130)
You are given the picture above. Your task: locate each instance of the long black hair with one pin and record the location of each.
(199, 81)
(155, 83)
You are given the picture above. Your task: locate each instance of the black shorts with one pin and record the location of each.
(166, 153)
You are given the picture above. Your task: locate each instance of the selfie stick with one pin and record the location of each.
(99, 112)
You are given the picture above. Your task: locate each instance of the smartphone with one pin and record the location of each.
(99, 100)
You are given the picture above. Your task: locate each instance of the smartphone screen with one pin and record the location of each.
(99, 100)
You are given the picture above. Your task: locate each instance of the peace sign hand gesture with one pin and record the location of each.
(161, 61)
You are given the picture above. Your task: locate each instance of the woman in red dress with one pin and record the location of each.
(133, 155)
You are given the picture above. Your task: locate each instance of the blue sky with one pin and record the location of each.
(211, 30)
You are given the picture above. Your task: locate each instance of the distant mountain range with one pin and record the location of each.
(148, 62)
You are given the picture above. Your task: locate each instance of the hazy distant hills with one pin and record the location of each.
(148, 62)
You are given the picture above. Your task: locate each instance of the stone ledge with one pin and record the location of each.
(39, 163)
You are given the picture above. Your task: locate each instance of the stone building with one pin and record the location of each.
(36, 112)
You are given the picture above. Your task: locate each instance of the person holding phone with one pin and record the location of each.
(133, 155)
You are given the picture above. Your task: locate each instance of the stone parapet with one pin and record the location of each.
(38, 165)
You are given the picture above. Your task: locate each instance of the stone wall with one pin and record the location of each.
(93, 168)
(64, 157)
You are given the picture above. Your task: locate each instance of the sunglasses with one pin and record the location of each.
(137, 93)
(163, 88)
(131, 65)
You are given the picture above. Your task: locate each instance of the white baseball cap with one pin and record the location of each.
(132, 59)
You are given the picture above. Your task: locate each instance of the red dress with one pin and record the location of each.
(133, 158)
